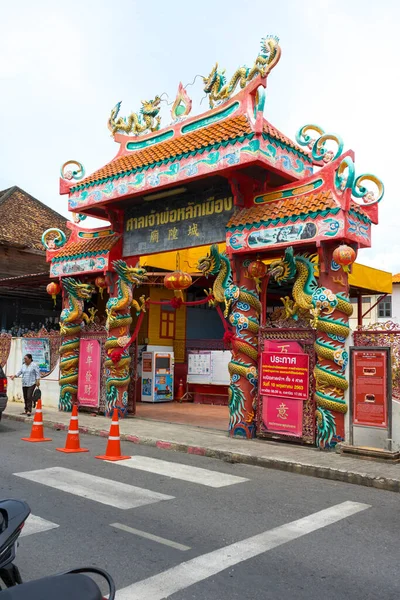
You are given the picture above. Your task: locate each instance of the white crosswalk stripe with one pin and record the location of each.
(169, 582)
(213, 479)
(35, 524)
(99, 489)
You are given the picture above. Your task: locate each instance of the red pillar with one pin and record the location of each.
(245, 317)
(332, 331)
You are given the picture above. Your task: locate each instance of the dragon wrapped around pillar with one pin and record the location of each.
(244, 308)
(71, 321)
(118, 323)
(332, 358)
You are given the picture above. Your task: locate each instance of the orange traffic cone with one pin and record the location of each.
(72, 444)
(113, 451)
(37, 433)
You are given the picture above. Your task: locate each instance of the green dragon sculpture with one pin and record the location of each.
(119, 319)
(215, 84)
(71, 322)
(146, 120)
(321, 303)
(244, 309)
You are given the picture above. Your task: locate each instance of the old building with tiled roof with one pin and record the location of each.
(23, 219)
(23, 277)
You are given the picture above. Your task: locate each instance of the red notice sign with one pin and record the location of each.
(370, 388)
(284, 375)
(281, 415)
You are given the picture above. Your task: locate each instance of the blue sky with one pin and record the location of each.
(63, 66)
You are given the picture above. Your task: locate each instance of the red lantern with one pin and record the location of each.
(344, 256)
(53, 289)
(177, 281)
(100, 281)
(257, 269)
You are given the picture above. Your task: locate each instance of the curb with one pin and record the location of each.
(333, 474)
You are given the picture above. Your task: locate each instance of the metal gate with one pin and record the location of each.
(305, 338)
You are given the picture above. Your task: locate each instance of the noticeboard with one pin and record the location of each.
(40, 350)
(209, 367)
(285, 375)
(370, 385)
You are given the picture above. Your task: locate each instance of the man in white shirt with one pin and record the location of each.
(30, 379)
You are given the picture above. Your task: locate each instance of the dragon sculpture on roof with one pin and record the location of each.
(145, 121)
(215, 84)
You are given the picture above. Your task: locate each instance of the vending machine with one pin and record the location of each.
(157, 376)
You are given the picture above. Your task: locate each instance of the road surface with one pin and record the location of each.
(185, 527)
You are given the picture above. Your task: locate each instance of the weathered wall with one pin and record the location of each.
(14, 262)
(49, 385)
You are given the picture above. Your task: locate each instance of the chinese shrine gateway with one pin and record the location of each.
(219, 223)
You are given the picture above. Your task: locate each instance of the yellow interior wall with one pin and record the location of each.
(178, 342)
(185, 259)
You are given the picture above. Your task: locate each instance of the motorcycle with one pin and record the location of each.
(13, 514)
(75, 583)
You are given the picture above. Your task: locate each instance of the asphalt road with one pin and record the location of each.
(277, 535)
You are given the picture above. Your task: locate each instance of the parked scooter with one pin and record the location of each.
(74, 584)
(13, 514)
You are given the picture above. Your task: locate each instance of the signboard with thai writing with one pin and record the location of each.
(177, 222)
(284, 375)
(283, 415)
(369, 387)
(40, 350)
(89, 373)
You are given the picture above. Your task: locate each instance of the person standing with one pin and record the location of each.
(30, 379)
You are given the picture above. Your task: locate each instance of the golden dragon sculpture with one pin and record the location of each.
(321, 303)
(118, 323)
(71, 321)
(218, 89)
(146, 120)
(244, 309)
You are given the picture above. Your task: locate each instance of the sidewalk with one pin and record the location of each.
(216, 444)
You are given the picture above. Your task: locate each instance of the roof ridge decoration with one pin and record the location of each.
(345, 176)
(147, 120)
(215, 84)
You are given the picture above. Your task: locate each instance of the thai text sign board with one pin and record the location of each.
(370, 387)
(177, 222)
(40, 350)
(89, 373)
(284, 375)
(283, 415)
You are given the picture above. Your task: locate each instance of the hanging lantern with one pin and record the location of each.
(257, 269)
(178, 281)
(344, 256)
(100, 282)
(53, 289)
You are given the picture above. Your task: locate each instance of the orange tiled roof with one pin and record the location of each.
(87, 247)
(396, 278)
(287, 207)
(229, 129)
(276, 134)
(225, 130)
